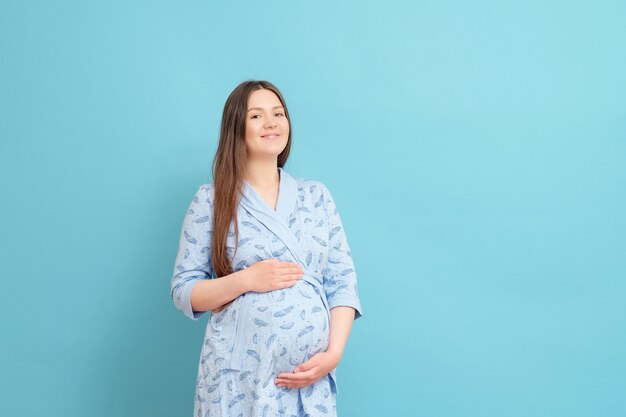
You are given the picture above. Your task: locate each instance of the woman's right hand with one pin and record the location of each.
(272, 274)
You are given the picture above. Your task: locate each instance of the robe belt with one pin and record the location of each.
(312, 278)
(243, 319)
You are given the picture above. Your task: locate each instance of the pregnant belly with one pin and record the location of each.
(276, 330)
(301, 324)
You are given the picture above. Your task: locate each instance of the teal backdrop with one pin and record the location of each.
(476, 151)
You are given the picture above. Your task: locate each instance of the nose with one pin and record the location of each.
(270, 122)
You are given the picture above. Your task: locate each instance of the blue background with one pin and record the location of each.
(476, 151)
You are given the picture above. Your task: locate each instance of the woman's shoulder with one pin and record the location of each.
(204, 193)
(206, 187)
(314, 192)
(311, 186)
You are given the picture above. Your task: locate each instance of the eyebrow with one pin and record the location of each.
(259, 108)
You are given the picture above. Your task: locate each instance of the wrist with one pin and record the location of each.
(334, 354)
(242, 277)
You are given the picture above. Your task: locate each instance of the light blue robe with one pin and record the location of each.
(261, 335)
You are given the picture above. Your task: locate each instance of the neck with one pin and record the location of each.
(262, 173)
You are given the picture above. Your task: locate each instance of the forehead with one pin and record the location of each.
(264, 99)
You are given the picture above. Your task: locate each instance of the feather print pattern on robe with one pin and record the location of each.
(261, 335)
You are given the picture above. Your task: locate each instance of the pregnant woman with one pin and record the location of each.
(266, 253)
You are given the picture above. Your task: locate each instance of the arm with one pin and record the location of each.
(211, 294)
(194, 253)
(191, 288)
(340, 282)
(341, 319)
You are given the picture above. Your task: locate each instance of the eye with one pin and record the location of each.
(255, 115)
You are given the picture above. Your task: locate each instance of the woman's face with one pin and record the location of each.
(267, 127)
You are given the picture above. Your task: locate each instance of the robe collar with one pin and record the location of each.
(277, 221)
(285, 203)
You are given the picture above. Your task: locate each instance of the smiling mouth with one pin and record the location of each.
(272, 136)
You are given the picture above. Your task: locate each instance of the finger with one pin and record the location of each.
(293, 265)
(312, 362)
(294, 278)
(290, 278)
(296, 385)
(298, 377)
(298, 374)
(287, 384)
(293, 386)
(287, 284)
(291, 271)
(290, 382)
(284, 375)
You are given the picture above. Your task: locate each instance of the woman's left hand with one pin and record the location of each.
(309, 372)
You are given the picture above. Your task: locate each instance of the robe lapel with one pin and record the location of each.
(277, 220)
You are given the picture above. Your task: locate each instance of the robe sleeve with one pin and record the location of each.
(193, 260)
(339, 275)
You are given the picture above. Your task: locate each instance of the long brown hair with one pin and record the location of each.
(229, 165)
